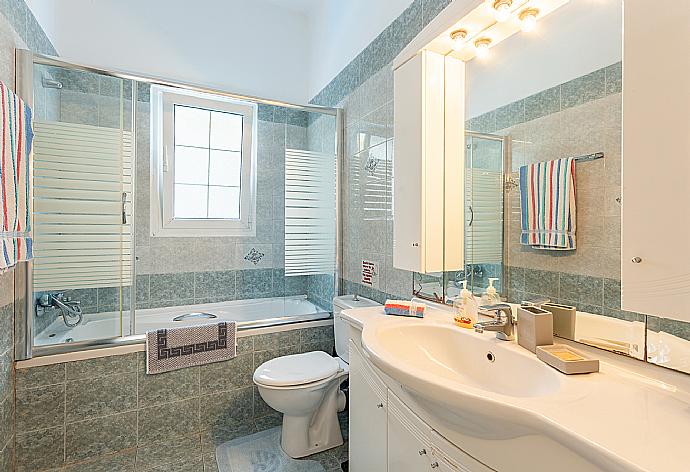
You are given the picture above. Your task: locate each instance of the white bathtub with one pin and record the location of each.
(247, 313)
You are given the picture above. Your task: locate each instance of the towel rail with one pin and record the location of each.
(589, 157)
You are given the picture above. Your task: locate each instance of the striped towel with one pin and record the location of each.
(547, 197)
(15, 180)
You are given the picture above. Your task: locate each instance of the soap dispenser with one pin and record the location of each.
(466, 308)
(491, 297)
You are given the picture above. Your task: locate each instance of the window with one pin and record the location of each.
(204, 159)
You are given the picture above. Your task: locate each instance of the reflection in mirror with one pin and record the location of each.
(543, 96)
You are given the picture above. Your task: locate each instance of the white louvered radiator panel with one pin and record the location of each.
(484, 194)
(82, 230)
(309, 212)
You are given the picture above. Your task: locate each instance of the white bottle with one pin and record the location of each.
(466, 308)
(491, 297)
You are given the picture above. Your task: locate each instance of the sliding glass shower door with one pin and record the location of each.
(83, 158)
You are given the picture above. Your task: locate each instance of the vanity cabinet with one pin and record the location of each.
(428, 169)
(368, 416)
(386, 436)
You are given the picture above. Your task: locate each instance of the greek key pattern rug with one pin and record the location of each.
(177, 348)
(260, 452)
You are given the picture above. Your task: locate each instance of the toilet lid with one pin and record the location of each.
(296, 369)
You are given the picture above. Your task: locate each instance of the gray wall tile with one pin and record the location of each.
(583, 89)
(123, 462)
(40, 450)
(100, 396)
(227, 375)
(100, 366)
(91, 438)
(41, 408)
(168, 421)
(228, 410)
(40, 376)
(168, 387)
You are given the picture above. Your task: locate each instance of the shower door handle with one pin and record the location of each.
(124, 208)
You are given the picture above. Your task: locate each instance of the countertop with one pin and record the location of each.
(635, 412)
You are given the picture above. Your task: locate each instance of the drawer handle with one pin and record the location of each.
(422, 452)
(636, 260)
(380, 405)
(434, 465)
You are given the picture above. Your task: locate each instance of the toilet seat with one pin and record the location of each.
(297, 369)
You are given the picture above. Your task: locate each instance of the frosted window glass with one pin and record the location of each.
(224, 202)
(191, 201)
(226, 131)
(226, 168)
(191, 165)
(192, 126)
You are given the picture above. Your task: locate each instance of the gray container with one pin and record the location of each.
(534, 327)
(563, 319)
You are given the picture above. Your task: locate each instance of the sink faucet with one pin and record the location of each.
(503, 325)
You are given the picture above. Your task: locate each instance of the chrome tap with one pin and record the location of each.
(503, 325)
(69, 309)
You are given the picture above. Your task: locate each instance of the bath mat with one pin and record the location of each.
(177, 348)
(260, 452)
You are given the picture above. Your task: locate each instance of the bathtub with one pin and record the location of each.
(248, 314)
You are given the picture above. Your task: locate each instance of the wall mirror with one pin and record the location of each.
(545, 94)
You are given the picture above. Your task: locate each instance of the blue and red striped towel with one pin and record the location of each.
(547, 198)
(15, 179)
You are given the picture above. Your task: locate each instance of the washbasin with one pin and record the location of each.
(458, 358)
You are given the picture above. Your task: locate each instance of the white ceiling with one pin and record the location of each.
(299, 6)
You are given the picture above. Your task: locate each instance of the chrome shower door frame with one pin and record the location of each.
(24, 306)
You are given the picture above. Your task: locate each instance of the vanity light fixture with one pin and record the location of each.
(482, 47)
(458, 36)
(528, 19)
(502, 10)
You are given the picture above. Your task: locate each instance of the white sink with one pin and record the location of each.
(449, 355)
(607, 421)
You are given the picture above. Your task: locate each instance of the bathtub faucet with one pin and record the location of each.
(69, 309)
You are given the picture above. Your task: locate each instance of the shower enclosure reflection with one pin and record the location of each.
(486, 156)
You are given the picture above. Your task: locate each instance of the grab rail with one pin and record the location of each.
(195, 316)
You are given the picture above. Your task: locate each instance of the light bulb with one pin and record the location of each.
(482, 47)
(458, 37)
(502, 10)
(528, 19)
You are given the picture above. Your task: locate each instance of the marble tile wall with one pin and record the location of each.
(18, 29)
(7, 422)
(108, 414)
(203, 269)
(364, 88)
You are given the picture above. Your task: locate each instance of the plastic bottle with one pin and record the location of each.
(466, 308)
(491, 297)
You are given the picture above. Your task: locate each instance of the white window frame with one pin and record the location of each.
(163, 222)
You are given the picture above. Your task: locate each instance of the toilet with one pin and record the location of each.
(305, 388)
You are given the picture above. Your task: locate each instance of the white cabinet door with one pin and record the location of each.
(428, 169)
(452, 459)
(408, 439)
(656, 159)
(368, 416)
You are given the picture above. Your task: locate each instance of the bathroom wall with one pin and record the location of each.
(18, 29)
(579, 116)
(364, 88)
(108, 414)
(183, 271)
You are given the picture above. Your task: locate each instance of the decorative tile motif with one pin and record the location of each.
(371, 165)
(254, 256)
